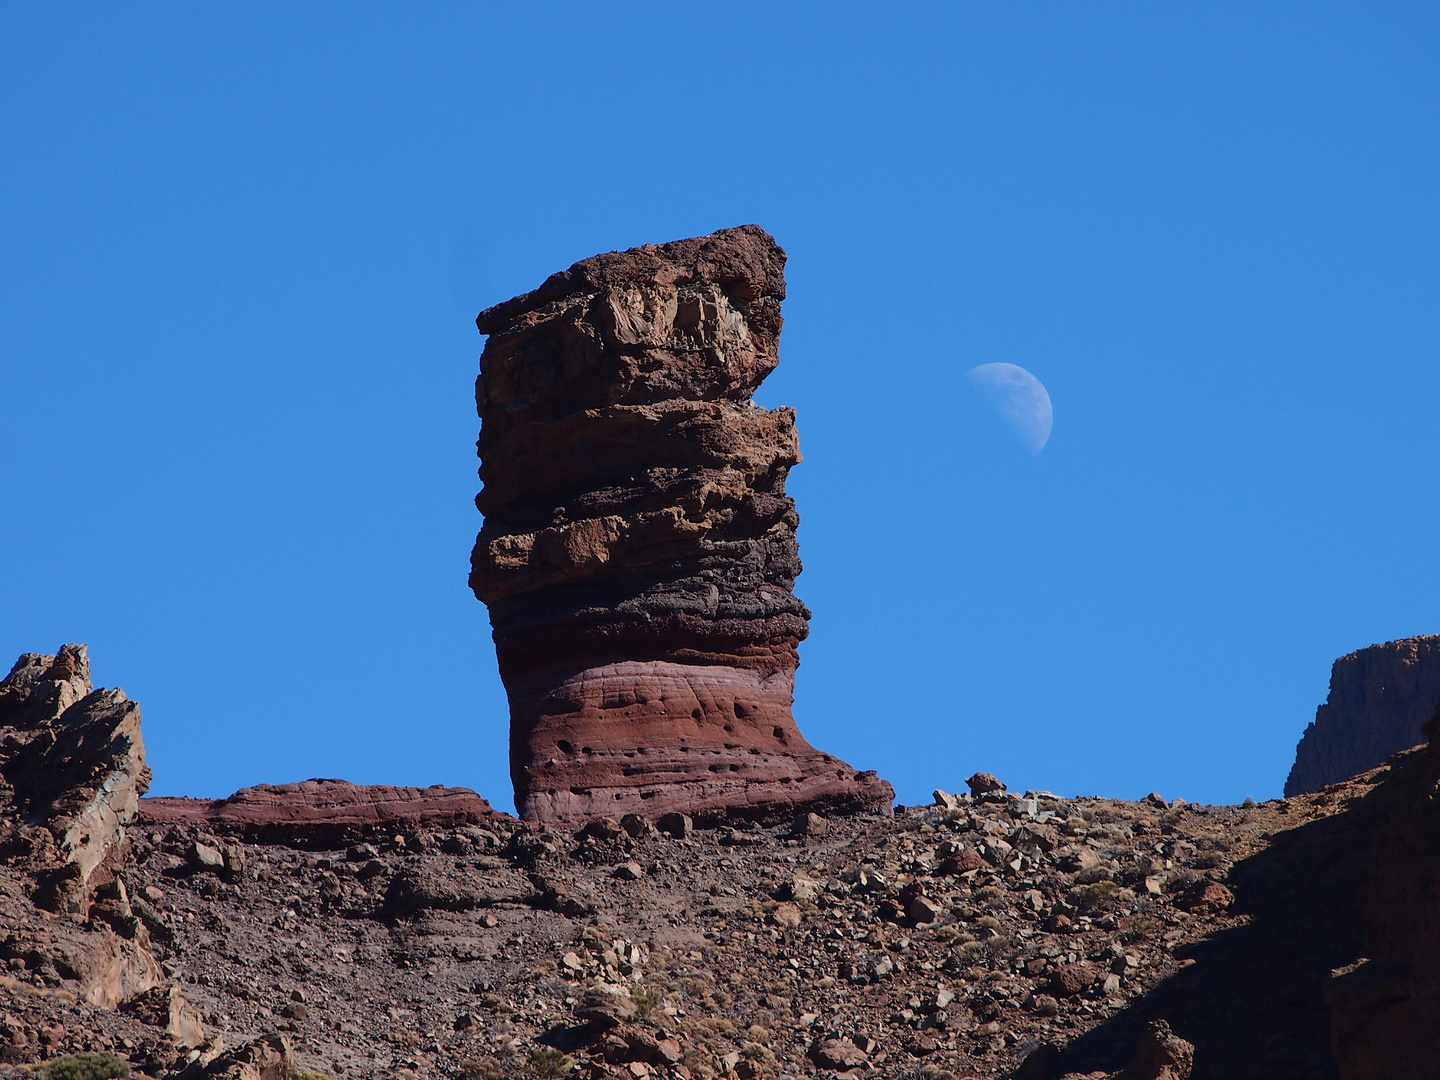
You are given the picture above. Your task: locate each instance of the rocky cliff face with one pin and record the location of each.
(1380, 699)
(638, 551)
(1385, 1007)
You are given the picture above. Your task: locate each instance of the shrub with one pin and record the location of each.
(1094, 898)
(550, 1064)
(102, 1066)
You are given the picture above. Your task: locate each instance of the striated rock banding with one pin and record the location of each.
(1380, 699)
(324, 813)
(638, 550)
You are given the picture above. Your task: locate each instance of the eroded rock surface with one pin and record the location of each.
(324, 812)
(1385, 1007)
(638, 551)
(1380, 698)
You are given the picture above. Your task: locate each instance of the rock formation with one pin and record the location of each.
(1385, 1007)
(1380, 699)
(323, 813)
(638, 550)
(74, 769)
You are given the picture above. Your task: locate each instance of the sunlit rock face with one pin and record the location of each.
(638, 550)
(1380, 699)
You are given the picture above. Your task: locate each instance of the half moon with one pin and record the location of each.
(1019, 399)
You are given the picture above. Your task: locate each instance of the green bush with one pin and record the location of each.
(103, 1066)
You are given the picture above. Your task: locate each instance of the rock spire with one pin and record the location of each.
(638, 549)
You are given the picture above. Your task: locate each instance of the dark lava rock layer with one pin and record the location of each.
(1380, 698)
(638, 550)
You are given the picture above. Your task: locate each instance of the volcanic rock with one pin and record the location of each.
(1385, 1007)
(1380, 699)
(73, 763)
(324, 813)
(638, 550)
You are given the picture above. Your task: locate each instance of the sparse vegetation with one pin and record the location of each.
(98, 1066)
(547, 1063)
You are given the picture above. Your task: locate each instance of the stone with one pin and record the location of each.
(165, 1007)
(786, 915)
(629, 871)
(266, 1058)
(603, 1006)
(1071, 980)
(675, 825)
(606, 828)
(983, 783)
(837, 1054)
(1205, 898)
(945, 801)
(635, 826)
(638, 550)
(1159, 1054)
(204, 857)
(922, 910)
(1380, 698)
(802, 889)
(809, 824)
(962, 862)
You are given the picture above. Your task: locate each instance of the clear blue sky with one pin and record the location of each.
(242, 246)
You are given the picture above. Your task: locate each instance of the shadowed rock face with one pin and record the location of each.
(1380, 699)
(1385, 1007)
(638, 550)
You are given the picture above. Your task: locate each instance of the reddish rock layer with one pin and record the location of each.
(324, 813)
(1380, 699)
(638, 551)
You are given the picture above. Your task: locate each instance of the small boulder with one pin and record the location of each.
(675, 825)
(984, 783)
(635, 826)
(837, 1054)
(605, 828)
(608, 1007)
(1071, 980)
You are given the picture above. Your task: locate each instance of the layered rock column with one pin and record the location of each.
(638, 550)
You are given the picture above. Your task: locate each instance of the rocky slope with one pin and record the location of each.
(638, 550)
(1380, 699)
(417, 933)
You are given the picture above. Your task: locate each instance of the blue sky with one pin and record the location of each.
(243, 248)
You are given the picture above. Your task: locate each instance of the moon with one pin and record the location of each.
(1019, 399)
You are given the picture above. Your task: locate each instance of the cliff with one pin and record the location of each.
(1380, 699)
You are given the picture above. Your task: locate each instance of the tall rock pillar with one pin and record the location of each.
(638, 549)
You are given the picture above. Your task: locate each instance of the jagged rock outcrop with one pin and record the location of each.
(638, 550)
(324, 813)
(1385, 1007)
(74, 770)
(1380, 699)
